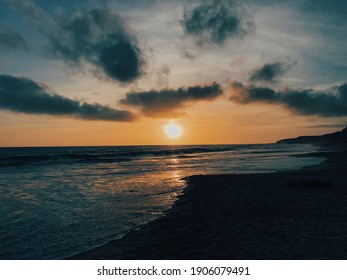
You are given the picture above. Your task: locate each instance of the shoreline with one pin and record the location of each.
(297, 214)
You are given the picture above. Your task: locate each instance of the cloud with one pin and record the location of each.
(99, 37)
(10, 40)
(188, 54)
(167, 102)
(22, 95)
(342, 125)
(335, 9)
(329, 103)
(270, 72)
(163, 73)
(216, 21)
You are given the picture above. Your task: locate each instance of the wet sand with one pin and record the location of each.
(286, 215)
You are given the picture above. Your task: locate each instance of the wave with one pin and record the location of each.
(37, 156)
(61, 159)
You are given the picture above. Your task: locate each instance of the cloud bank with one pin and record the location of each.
(167, 102)
(270, 72)
(99, 37)
(216, 21)
(22, 95)
(330, 103)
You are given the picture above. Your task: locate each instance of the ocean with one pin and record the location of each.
(56, 202)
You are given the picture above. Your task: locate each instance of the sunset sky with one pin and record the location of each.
(101, 72)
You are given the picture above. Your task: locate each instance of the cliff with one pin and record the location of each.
(339, 137)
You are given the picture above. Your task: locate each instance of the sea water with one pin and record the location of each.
(56, 202)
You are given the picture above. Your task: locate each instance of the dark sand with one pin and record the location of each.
(289, 215)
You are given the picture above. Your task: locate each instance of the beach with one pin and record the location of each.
(299, 214)
(69, 200)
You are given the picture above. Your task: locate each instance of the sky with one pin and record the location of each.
(101, 72)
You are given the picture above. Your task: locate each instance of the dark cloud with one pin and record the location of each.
(22, 95)
(11, 40)
(167, 102)
(270, 72)
(215, 21)
(329, 103)
(99, 37)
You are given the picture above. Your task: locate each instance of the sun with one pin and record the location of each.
(173, 130)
